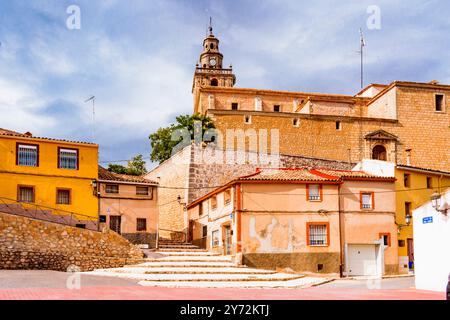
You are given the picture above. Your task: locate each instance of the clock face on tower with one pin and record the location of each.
(212, 62)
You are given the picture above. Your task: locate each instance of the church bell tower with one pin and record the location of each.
(209, 70)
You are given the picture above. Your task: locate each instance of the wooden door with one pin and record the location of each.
(411, 253)
(115, 223)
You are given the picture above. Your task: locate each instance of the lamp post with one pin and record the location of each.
(408, 219)
(436, 203)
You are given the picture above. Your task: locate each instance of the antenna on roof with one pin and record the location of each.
(92, 98)
(362, 44)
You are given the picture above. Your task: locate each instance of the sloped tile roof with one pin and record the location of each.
(308, 174)
(6, 132)
(104, 174)
(301, 174)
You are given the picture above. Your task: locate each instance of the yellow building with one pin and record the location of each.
(56, 176)
(414, 188)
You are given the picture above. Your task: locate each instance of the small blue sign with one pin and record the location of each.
(427, 220)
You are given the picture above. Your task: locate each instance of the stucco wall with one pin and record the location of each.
(32, 244)
(46, 178)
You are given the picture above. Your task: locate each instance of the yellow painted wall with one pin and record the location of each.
(47, 177)
(417, 194)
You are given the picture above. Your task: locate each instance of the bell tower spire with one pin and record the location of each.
(209, 70)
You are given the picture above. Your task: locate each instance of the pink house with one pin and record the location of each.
(316, 220)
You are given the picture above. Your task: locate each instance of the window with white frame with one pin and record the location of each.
(317, 234)
(314, 192)
(27, 155)
(215, 238)
(367, 200)
(68, 159)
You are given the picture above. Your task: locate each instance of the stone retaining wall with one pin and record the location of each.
(33, 244)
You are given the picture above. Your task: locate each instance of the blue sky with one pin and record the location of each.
(138, 56)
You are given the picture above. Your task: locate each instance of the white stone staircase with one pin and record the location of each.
(185, 265)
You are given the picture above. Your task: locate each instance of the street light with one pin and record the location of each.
(408, 219)
(436, 202)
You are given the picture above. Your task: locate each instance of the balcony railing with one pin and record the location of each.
(38, 212)
(213, 71)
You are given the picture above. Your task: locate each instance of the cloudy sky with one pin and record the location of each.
(138, 56)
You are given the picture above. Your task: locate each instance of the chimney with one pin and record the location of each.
(408, 157)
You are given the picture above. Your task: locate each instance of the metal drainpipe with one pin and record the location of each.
(341, 257)
(238, 218)
(156, 193)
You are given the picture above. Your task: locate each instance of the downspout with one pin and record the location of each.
(238, 218)
(341, 252)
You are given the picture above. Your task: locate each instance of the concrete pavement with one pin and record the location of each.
(40, 285)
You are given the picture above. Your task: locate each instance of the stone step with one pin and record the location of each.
(177, 247)
(198, 277)
(184, 264)
(187, 253)
(187, 270)
(296, 283)
(190, 259)
(181, 250)
(174, 242)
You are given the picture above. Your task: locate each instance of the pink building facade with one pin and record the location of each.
(315, 220)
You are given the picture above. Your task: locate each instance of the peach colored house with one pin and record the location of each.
(128, 206)
(317, 220)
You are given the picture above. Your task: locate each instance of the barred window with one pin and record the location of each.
(68, 159)
(367, 200)
(112, 188)
(27, 155)
(142, 191)
(63, 196)
(141, 224)
(318, 234)
(314, 192)
(26, 194)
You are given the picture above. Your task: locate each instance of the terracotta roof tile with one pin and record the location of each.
(104, 174)
(6, 132)
(308, 174)
(300, 174)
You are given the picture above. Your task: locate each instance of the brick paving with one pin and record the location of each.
(50, 285)
(153, 293)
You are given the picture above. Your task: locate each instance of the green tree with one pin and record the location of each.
(166, 140)
(135, 167)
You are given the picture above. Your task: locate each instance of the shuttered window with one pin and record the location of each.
(141, 224)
